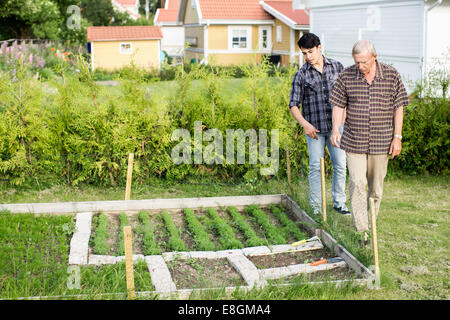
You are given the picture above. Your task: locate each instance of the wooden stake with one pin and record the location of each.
(129, 175)
(288, 161)
(324, 202)
(373, 225)
(127, 238)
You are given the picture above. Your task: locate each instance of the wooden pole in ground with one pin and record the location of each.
(127, 238)
(373, 225)
(288, 162)
(324, 202)
(129, 175)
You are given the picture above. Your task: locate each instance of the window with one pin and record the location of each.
(125, 48)
(265, 38)
(279, 33)
(239, 38)
(193, 5)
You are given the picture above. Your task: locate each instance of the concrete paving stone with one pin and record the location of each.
(101, 259)
(169, 256)
(160, 274)
(203, 254)
(227, 253)
(256, 250)
(136, 258)
(281, 248)
(247, 270)
(79, 244)
(275, 273)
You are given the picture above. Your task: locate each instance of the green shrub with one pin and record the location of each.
(426, 141)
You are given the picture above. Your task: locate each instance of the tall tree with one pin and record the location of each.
(30, 18)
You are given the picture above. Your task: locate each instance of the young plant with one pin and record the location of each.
(289, 225)
(272, 233)
(175, 242)
(148, 237)
(123, 219)
(252, 238)
(201, 238)
(100, 235)
(227, 238)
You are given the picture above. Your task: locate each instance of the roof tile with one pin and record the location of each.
(123, 33)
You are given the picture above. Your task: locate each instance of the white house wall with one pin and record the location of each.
(395, 27)
(173, 40)
(438, 26)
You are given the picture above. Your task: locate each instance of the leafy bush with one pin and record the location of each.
(426, 141)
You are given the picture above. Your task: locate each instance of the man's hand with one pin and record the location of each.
(396, 147)
(335, 138)
(310, 131)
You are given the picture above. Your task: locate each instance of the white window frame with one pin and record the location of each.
(279, 33)
(248, 30)
(269, 38)
(193, 4)
(128, 51)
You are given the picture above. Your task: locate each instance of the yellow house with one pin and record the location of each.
(234, 32)
(289, 27)
(117, 46)
(225, 32)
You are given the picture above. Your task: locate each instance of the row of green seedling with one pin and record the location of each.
(252, 239)
(149, 244)
(123, 222)
(289, 226)
(272, 233)
(175, 242)
(227, 237)
(201, 237)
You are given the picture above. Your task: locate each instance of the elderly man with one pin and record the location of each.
(373, 95)
(311, 88)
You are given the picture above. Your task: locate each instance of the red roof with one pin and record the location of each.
(233, 9)
(126, 2)
(123, 33)
(170, 14)
(285, 8)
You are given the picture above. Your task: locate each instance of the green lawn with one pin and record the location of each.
(413, 232)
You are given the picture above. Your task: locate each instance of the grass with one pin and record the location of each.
(413, 231)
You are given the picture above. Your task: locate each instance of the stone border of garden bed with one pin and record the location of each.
(163, 282)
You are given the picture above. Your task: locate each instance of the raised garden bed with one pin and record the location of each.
(195, 243)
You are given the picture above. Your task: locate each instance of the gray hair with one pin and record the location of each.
(362, 46)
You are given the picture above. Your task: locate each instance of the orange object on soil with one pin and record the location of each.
(316, 263)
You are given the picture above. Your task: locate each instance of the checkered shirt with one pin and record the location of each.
(369, 123)
(311, 89)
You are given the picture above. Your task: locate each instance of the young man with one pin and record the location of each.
(373, 96)
(311, 88)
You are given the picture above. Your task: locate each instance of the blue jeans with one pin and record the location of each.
(316, 150)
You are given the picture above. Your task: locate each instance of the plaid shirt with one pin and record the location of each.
(311, 89)
(369, 122)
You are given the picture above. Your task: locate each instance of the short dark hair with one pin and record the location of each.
(308, 41)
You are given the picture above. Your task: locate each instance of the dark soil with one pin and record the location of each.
(204, 273)
(342, 273)
(289, 258)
